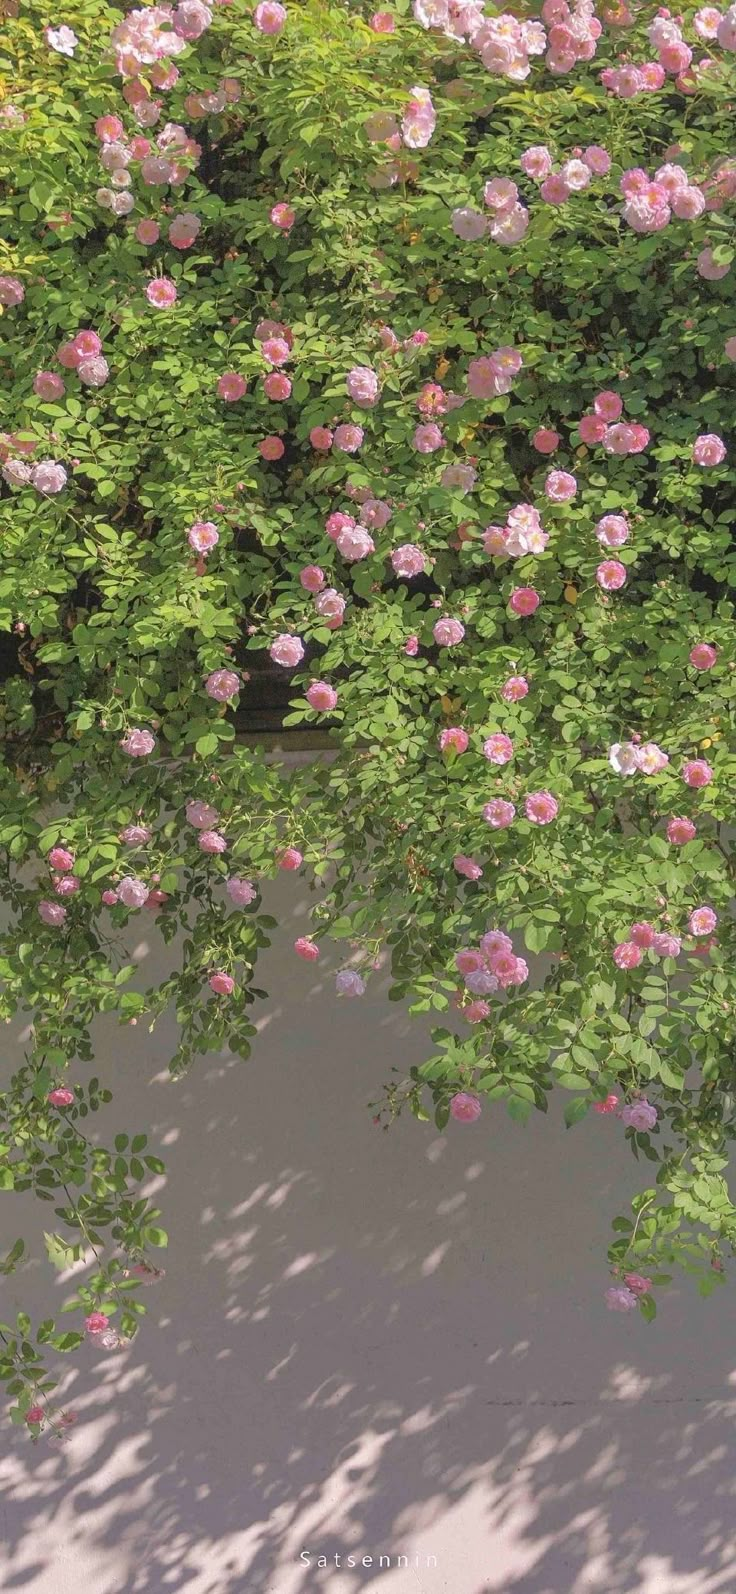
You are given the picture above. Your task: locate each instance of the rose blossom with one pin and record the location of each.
(498, 748)
(61, 1096)
(407, 561)
(61, 858)
(514, 689)
(696, 772)
(287, 650)
(47, 385)
(96, 1323)
(291, 859)
(448, 633)
(231, 386)
(620, 1299)
(322, 697)
(627, 955)
(639, 1115)
(132, 892)
(221, 685)
(545, 440)
(203, 536)
(524, 601)
(221, 983)
(48, 477)
(306, 949)
(161, 293)
(559, 486)
(269, 16)
(362, 386)
(467, 866)
(499, 813)
(349, 983)
(136, 835)
(680, 831)
(137, 743)
(702, 921)
(610, 575)
(465, 1108)
(455, 737)
(52, 913)
(702, 656)
(541, 807)
(708, 449)
(210, 841)
(240, 891)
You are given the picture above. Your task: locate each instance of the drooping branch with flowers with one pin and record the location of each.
(393, 353)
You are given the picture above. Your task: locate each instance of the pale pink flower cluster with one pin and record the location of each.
(493, 374)
(643, 937)
(523, 534)
(627, 81)
(630, 758)
(419, 119)
(650, 203)
(490, 967)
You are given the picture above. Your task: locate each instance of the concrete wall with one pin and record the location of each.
(371, 1343)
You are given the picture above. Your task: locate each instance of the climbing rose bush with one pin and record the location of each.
(395, 350)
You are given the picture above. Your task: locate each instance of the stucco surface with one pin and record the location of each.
(371, 1344)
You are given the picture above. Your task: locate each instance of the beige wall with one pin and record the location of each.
(372, 1343)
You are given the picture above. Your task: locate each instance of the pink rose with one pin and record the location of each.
(47, 385)
(96, 1323)
(202, 536)
(560, 486)
(545, 440)
(680, 831)
(221, 685)
(240, 891)
(455, 737)
(448, 633)
(524, 601)
(362, 386)
(408, 561)
(465, 1108)
(696, 772)
(541, 807)
(161, 293)
(514, 689)
(221, 983)
(138, 743)
(611, 575)
(499, 813)
(349, 983)
(61, 1096)
(211, 841)
(201, 815)
(231, 386)
(287, 650)
(627, 955)
(467, 867)
(306, 949)
(498, 748)
(702, 921)
(708, 449)
(702, 656)
(322, 697)
(290, 859)
(62, 859)
(269, 16)
(620, 1299)
(639, 1115)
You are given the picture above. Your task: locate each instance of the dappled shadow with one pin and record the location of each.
(371, 1343)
